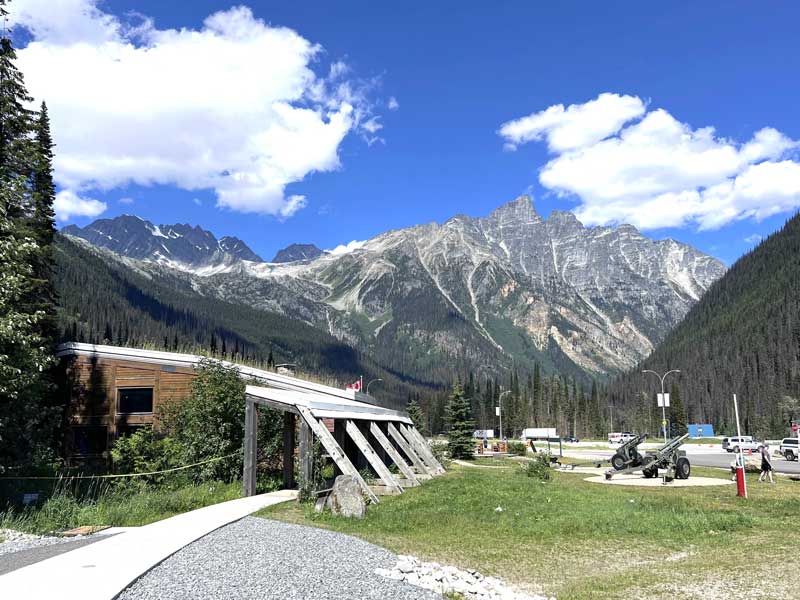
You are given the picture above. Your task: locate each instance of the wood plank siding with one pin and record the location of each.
(109, 398)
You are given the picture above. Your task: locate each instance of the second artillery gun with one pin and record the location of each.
(668, 457)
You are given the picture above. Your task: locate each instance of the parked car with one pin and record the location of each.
(744, 442)
(789, 448)
(620, 437)
(571, 439)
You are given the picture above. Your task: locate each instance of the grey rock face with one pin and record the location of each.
(133, 237)
(511, 285)
(296, 252)
(347, 499)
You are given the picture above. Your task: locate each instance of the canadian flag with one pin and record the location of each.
(355, 386)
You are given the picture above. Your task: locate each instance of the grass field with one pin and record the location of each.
(123, 507)
(574, 539)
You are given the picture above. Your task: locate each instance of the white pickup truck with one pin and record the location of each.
(789, 448)
(745, 442)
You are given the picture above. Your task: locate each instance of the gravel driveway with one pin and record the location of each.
(260, 559)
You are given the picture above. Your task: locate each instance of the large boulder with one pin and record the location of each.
(347, 498)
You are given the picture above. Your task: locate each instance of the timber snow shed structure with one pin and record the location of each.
(354, 429)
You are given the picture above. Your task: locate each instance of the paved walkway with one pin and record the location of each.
(102, 570)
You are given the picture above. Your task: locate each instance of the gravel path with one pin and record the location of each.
(16, 541)
(11, 561)
(260, 559)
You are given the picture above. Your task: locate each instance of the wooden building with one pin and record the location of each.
(114, 390)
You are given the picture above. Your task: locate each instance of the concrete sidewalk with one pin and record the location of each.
(103, 569)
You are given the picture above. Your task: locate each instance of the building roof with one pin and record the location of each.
(280, 391)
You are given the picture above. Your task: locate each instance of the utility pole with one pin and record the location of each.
(500, 411)
(664, 399)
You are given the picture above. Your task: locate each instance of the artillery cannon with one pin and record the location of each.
(668, 457)
(627, 455)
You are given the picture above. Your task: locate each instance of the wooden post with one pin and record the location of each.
(384, 442)
(422, 444)
(250, 448)
(403, 443)
(335, 451)
(288, 450)
(374, 460)
(306, 453)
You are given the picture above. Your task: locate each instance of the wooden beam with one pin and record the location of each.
(288, 450)
(374, 460)
(427, 454)
(306, 453)
(335, 451)
(250, 448)
(403, 443)
(384, 442)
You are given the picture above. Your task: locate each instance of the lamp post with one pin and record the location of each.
(371, 382)
(500, 410)
(663, 398)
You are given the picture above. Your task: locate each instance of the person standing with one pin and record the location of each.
(766, 464)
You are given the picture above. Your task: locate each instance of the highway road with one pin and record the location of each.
(723, 459)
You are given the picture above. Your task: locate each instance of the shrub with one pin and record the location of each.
(145, 451)
(441, 454)
(538, 468)
(517, 448)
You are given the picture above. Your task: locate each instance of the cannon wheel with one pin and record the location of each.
(618, 462)
(683, 468)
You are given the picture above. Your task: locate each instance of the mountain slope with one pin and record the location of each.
(134, 237)
(510, 287)
(295, 252)
(742, 337)
(102, 296)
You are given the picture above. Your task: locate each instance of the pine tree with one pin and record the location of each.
(677, 412)
(415, 413)
(459, 440)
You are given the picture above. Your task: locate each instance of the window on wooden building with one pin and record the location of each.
(135, 401)
(91, 439)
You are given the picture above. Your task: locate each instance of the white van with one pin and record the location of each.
(744, 442)
(620, 437)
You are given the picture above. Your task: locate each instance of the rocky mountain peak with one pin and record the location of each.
(294, 252)
(134, 237)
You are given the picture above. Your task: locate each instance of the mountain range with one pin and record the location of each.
(509, 288)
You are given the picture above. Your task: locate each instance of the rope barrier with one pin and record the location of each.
(210, 460)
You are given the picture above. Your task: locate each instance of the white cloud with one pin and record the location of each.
(574, 126)
(126, 201)
(69, 205)
(233, 106)
(197, 201)
(655, 171)
(753, 239)
(347, 248)
(392, 104)
(293, 204)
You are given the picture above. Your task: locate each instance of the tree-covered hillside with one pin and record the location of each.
(103, 300)
(743, 337)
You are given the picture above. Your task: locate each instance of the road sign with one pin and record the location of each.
(497, 411)
(663, 400)
(794, 427)
(664, 423)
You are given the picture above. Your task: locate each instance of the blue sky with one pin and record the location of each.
(459, 71)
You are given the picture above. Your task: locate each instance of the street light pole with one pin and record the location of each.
(500, 410)
(663, 399)
(371, 382)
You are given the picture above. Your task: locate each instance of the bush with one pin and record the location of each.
(440, 453)
(145, 451)
(538, 468)
(517, 448)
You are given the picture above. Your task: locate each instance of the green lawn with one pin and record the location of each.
(574, 539)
